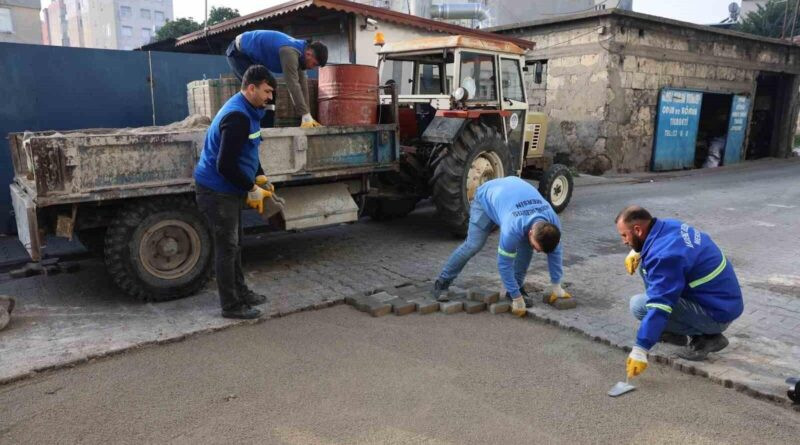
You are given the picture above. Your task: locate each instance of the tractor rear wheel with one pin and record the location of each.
(478, 154)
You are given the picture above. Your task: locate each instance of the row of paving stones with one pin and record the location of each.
(417, 298)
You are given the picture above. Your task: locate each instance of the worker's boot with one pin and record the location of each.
(252, 298)
(439, 291)
(518, 307)
(702, 345)
(525, 297)
(242, 312)
(673, 338)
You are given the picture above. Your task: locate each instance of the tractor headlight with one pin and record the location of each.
(460, 94)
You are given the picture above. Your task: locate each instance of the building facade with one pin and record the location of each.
(19, 21)
(631, 92)
(109, 24)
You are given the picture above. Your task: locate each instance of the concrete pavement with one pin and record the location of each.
(750, 210)
(338, 376)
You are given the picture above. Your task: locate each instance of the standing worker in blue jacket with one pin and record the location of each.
(281, 54)
(228, 172)
(691, 288)
(527, 223)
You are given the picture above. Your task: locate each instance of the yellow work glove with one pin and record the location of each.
(309, 122)
(556, 292)
(262, 181)
(518, 307)
(632, 262)
(255, 198)
(637, 362)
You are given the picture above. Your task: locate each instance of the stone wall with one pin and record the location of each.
(604, 76)
(573, 93)
(648, 58)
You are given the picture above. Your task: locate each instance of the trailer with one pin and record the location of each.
(128, 194)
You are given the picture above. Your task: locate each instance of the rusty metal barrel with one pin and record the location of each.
(348, 95)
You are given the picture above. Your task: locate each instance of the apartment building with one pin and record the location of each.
(19, 21)
(109, 24)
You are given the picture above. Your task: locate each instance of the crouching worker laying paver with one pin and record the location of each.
(527, 223)
(691, 288)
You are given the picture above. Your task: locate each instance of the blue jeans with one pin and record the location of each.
(238, 62)
(687, 318)
(223, 213)
(480, 226)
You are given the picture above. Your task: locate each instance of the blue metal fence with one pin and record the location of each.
(56, 88)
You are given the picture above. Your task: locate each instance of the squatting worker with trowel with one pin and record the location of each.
(690, 287)
(527, 223)
(281, 54)
(228, 171)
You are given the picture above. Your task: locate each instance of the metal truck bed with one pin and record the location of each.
(96, 165)
(100, 165)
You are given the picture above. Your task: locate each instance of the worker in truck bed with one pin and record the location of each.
(527, 223)
(690, 287)
(280, 53)
(228, 171)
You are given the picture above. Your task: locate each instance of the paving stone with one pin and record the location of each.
(451, 307)
(457, 292)
(426, 305)
(369, 301)
(564, 303)
(483, 295)
(354, 299)
(500, 307)
(382, 296)
(377, 308)
(473, 307)
(402, 307)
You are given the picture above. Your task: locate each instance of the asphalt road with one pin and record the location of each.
(336, 376)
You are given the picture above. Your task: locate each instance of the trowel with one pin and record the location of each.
(621, 388)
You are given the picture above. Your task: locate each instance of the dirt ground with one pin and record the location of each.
(337, 376)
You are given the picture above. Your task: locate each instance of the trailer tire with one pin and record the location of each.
(160, 249)
(477, 155)
(556, 187)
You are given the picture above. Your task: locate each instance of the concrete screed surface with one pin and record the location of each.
(338, 376)
(750, 210)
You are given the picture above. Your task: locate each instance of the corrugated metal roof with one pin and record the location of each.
(379, 14)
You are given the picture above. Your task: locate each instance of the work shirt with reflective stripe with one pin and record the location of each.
(679, 261)
(515, 205)
(207, 173)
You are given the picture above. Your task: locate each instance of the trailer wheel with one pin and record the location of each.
(476, 156)
(556, 187)
(159, 250)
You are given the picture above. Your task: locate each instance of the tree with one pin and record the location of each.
(220, 14)
(775, 19)
(176, 28)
